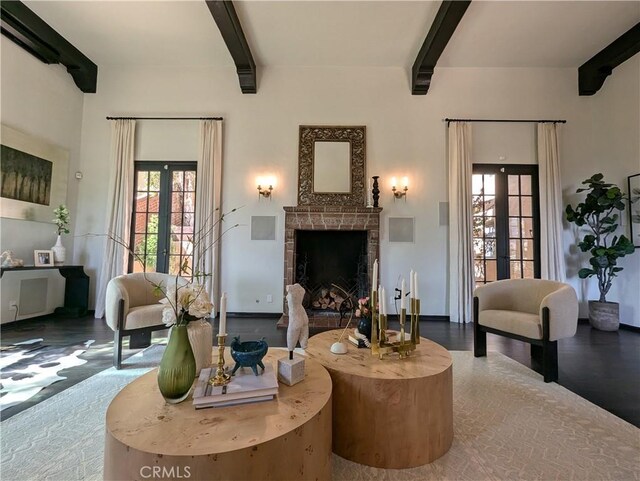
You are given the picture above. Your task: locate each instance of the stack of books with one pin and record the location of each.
(243, 388)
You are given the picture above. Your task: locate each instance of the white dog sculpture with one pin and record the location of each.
(298, 329)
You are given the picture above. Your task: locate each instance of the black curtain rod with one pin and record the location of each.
(165, 118)
(507, 120)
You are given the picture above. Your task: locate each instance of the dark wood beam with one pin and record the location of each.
(445, 23)
(593, 73)
(33, 34)
(228, 23)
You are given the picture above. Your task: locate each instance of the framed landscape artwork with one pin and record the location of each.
(33, 176)
(634, 208)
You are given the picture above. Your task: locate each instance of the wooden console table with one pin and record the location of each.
(390, 413)
(76, 290)
(284, 439)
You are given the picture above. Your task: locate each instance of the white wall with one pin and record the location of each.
(405, 136)
(613, 148)
(41, 100)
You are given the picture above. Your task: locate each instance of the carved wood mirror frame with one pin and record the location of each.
(309, 135)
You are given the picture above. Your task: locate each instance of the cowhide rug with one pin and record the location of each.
(28, 367)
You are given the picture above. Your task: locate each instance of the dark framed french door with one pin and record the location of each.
(163, 217)
(506, 222)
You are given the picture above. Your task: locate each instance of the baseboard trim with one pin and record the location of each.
(259, 315)
(623, 326)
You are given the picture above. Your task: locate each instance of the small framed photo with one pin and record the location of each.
(43, 258)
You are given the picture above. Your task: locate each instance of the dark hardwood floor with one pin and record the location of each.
(602, 367)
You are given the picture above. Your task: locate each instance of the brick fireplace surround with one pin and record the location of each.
(327, 218)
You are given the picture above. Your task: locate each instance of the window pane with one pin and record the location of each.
(176, 202)
(477, 226)
(143, 180)
(489, 205)
(527, 227)
(513, 185)
(527, 209)
(189, 202)
(141, 223)
(476, 184)
(139, 244)
(490, 248)
(190, 180)
(516, 272)
(528, 272)
(152, 223)
(154, 202)
(174, 265)
(478, 248)
(514, 249)
(525, 184)
(514, 205)
(478, 269)
(490, 185)
(492, 271)
(178, 180)
(490, 226)
(476, 204)
(141, 203)
(527, 249)
(514, 227)
(154, 181)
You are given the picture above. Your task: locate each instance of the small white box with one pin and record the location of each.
(290, 371)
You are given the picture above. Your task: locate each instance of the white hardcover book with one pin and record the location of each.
(242, 386)
(235, 402)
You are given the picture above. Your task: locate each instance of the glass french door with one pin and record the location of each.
(506, 222)
(163, 219)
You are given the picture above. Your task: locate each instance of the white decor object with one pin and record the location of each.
(59, 252)
(339, 348)
(460, 218)
(201, 338)
(552, 264)
(115, 256)
(7, 260)
(208, 197)
(290, 371)
(298, 329)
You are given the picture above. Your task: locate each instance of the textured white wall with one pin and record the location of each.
(43, 101)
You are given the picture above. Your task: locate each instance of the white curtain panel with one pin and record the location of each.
(208, 199)
(461, 274)
(552, 264)
(115, 259)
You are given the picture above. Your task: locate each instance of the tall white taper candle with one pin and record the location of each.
(374, 279)
(222, 331)
(412, 289)
(415, 284)
(383, 302)
(403, 291)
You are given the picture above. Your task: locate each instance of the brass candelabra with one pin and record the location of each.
(380, 344)
(221, 378)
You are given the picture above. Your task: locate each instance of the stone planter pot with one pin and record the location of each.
(59, 252)
(604, 316)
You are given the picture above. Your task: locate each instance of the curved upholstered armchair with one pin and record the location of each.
(132, 309)
(532, 310)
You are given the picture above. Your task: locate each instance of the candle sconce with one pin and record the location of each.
(264, 191)
(399, 194)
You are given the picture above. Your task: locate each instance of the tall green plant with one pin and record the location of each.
(598, 213)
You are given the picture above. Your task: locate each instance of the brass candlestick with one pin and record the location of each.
(221, 378)
(380, 345)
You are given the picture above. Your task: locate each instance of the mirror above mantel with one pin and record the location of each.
(332, 165)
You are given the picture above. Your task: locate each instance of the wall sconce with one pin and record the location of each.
(264, 191)
(399, 194)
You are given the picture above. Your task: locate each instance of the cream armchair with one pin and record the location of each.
(133, 309)
(532, 310)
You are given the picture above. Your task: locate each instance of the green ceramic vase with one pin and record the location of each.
(177, 367)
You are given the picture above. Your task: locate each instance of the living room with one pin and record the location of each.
(164, 66)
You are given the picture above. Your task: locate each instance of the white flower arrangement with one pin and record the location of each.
(184, 303)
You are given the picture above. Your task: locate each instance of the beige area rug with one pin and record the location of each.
(508, 424)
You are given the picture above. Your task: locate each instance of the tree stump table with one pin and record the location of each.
(287, 438)
(389, 413)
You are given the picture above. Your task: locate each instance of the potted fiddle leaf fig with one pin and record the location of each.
(599, 213)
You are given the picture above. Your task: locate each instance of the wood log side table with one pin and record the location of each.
(284, 439)
(390, 413)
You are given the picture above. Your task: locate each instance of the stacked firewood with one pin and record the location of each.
(328, 299)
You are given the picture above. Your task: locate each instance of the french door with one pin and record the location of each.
(163, 218)
(506, 225)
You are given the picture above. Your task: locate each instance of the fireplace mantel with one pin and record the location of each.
(327, 218)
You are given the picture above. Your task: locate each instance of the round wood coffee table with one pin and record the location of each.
(389, 413)
(287, 438)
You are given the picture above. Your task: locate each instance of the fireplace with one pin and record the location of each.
(327, 245)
